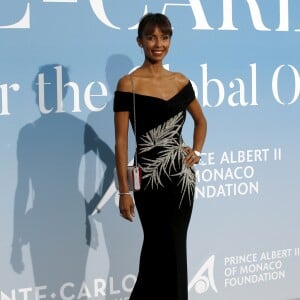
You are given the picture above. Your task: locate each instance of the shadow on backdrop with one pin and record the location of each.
(122, 238)
(50, 212)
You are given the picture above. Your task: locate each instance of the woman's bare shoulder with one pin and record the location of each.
(180, 79)
(124, 84)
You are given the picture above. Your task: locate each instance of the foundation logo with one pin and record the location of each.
(204, 278)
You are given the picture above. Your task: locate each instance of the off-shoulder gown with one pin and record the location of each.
(165, 201)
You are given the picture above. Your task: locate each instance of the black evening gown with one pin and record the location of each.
(165, 201)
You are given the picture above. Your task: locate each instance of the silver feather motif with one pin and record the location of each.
(171, 155)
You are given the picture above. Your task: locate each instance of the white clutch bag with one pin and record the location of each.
(134, 177)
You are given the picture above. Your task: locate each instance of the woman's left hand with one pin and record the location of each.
(191, 157)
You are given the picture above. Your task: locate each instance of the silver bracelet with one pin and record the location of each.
(198, 153)
(125, 193)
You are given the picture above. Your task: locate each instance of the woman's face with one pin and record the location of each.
(155, 44)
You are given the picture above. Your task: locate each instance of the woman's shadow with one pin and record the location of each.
(50, 212)
(122, 238)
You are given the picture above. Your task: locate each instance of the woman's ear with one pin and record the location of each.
(139, 42)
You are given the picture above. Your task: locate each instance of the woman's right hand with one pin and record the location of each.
(126, 206)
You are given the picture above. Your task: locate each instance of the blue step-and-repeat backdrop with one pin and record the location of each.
(61, 233)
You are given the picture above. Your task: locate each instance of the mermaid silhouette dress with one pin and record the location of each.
(165, 201)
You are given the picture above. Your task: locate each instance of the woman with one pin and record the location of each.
(165, 200)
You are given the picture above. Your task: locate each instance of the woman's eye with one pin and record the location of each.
(150, 38)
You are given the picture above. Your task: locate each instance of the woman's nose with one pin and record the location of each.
(158, 42)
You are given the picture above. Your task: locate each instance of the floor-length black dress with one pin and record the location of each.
(165, 201)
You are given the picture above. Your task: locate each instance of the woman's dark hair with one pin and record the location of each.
(150, 21)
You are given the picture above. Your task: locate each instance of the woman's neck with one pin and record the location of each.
(154, 69)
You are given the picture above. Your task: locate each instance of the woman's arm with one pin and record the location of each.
(126, 204)
(200, 127)
(121, 148)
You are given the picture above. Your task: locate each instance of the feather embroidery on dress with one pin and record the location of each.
(165, 136)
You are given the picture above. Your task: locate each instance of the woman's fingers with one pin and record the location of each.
(191, 158)
(126, 207)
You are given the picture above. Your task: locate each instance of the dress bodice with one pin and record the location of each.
(159, 125)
